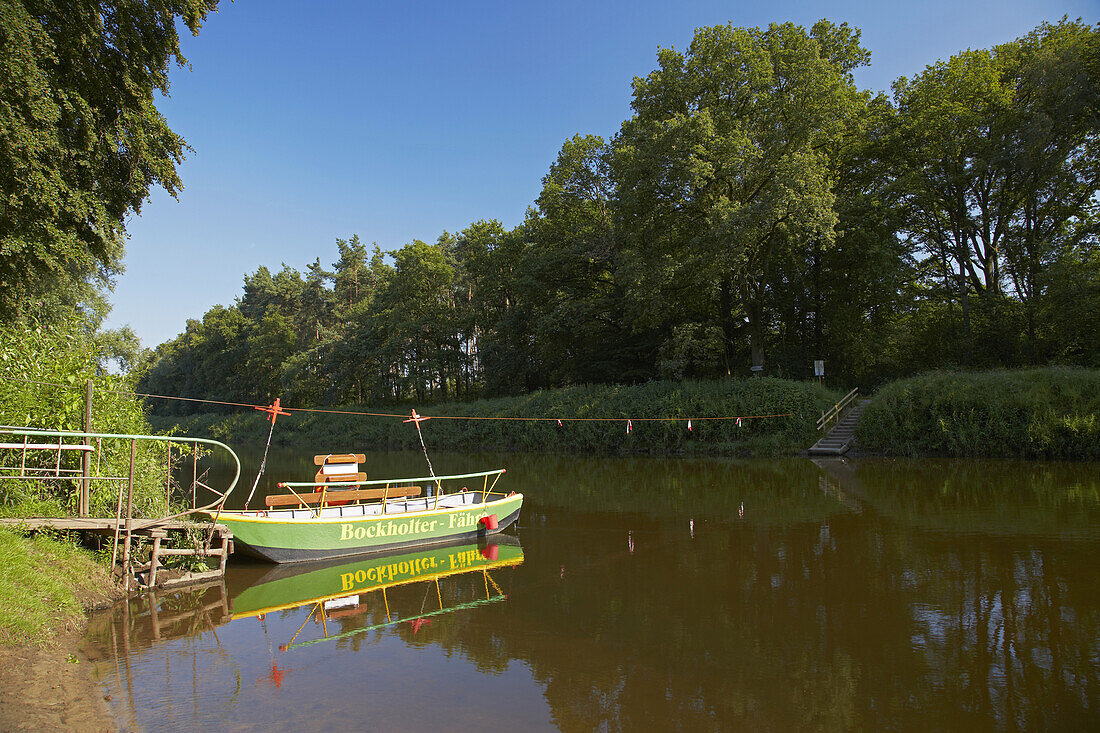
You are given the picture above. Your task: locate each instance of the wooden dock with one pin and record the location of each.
(219, 543)
(99, 524)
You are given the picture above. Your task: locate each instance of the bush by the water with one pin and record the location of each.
(43, 372)
(529, 422)
(1032, 413)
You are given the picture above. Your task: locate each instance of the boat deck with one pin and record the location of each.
(393, 506)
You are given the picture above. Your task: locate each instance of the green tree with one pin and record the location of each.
(417, 313)
(81, 139)
(579, 321)
(723, 169)
(999, 171)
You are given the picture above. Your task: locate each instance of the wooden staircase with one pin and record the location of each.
(837, 441)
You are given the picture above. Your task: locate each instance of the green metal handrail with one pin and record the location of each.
(154, 438)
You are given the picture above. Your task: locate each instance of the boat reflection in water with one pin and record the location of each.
(338, 589)
(190, 658)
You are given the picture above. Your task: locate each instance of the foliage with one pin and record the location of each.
(723, 170)
(81, 140)
(997, 153)
(1032, 413)
(43, 376)
(756, 203)
(594, 421)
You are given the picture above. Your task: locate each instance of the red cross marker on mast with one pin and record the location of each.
(273, 411)
(415, 418)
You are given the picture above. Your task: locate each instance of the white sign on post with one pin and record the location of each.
(819, 368)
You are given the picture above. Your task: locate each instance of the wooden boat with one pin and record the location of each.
(342, 513)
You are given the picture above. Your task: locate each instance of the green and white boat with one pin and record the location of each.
(341, 513)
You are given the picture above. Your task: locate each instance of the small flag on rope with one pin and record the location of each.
(629, 426)
(738, 422)
(689, 426)
(559, 423)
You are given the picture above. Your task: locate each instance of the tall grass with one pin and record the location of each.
(1030, 413)
(497, 424)
(45, 586)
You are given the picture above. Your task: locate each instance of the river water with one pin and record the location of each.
(657, 594)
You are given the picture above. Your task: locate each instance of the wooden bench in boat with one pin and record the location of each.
(336, 497)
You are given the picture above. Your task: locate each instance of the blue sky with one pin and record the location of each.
(396, 121)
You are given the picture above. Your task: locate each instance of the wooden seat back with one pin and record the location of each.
(337, 467)
(337, 497)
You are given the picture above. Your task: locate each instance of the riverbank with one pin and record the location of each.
(47, 585)
(776, 418)
(1044, 413)
(50, 688)
(1051, 413)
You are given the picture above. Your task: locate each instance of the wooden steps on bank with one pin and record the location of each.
(838, 440)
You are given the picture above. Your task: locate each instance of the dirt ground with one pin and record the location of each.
(46, 689)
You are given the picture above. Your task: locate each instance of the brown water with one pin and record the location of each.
(663, 594)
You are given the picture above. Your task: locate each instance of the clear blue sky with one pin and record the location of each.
(396, 121)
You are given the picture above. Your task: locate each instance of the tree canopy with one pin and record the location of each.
(81, 139)
(757, 210)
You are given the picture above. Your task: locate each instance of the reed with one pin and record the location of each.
(1031, 413)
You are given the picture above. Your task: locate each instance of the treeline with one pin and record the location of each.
(757, 212)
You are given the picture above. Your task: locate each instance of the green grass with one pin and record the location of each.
(1049, 413)
(45, 585)
(799, 402)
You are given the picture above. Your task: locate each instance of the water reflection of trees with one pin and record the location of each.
(993, 497)
(824, 625)
(781, 491)
(926, 597)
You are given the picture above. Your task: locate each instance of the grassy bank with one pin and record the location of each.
(1047, 413)
(45, 587)
(497, 428)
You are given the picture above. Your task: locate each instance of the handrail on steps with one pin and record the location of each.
(833, 412)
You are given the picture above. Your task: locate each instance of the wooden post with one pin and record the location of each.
(194, 472)
(86, 481)
(154, 611)
(154, 558)
(129, 517)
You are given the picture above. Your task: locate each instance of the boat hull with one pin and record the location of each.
(280, 539)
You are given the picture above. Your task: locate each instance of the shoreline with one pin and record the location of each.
(50, 687)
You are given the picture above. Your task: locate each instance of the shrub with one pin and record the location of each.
(1031, 413)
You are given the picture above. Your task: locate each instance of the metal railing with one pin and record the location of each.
(485, 490)
(834, 412)
(84, 479)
